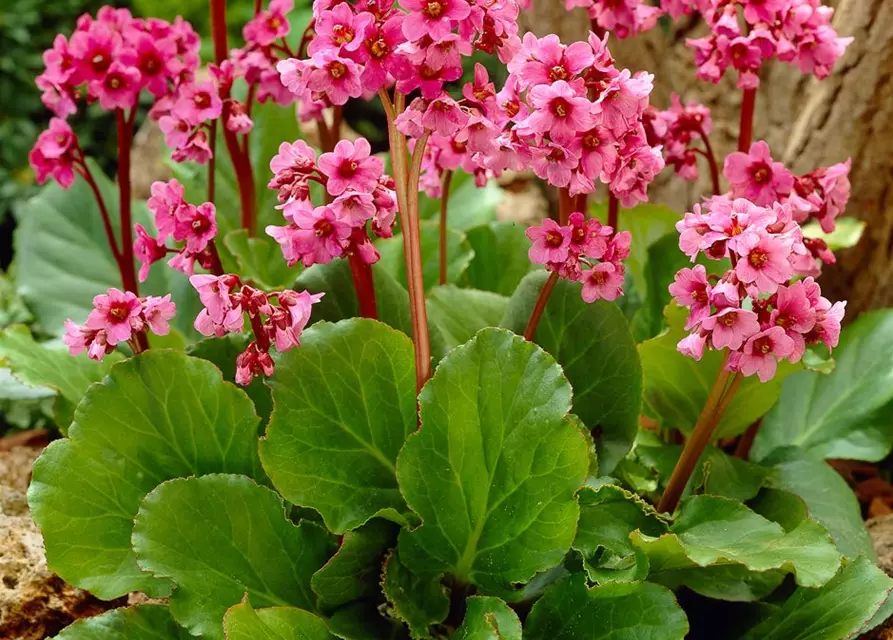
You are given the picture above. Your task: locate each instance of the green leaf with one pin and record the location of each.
(223, 353)
(664, 260)
(63, 257)
(365, 621)
(710, 530)
(469, 206)
(488, 618)
(345, 402)
(142, 622)
(242, 622)
(846, 413)
(495, 447)
(260, 260)
(500, 257)
(458, 314)
(354, 571)
(220, 537)
(340, 300)
(847, 233)
(157, 416)
(828, 498)
(676, 387)
(647, 223)
(837, 611)
(37, 365)
(783, 507)
(608, 515)
(615, 611)
(459, 255)
(593, 344)
(420, 601)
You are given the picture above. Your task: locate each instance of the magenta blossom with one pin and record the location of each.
(604, 281)
(731, 327)
(764, 260)
(762, 352)
(691, 289)
(550, 242)
(755, 176)
(114, 313)
(270, 25)
(350, 166)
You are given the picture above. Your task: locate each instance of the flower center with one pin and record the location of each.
(118, 312)
(202, 100)
(591, 141)
(599, 277)
(274, 22)
(323, 228)
(337, 69)
(151, 65)
(113, 82)
(511, 108)
(433, 9)
(560, 107)
(379, 48)
(762, 345)
(348, 168)
(557, 72)
(428, 73)
(700, 294)
(579, 235)
(556, 155)
(784, 321)
(554, 239)
(761, 174)
(200, 225)
(100, 62)
(758, 258)
(729, 319)
(342, 34)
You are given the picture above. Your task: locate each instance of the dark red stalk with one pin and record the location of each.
(613, 211)
(745, 133)
(745, 442)
(239, 156)
(125, 139)
(711, 160)
(444, 204)
(260, 335)
(84, 170)
(212, 163)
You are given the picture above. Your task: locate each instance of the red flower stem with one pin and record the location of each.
(139, 342)
(724, 388)
(212, 163)
(337, 118)
(305, 38)
(444, 205)
(216, 264)
(540, 306)
(745, 442)
(745, 132)
(613, 211)
(84, 170)
(364, 285)
(125, 138)
(565, 206)
(260, 335)
(711, 160)
(240, 158)
(581, 203)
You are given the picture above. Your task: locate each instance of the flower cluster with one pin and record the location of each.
(357, 192)
(821, 195)
(623, 18)
(676, 130)
(194, 226)
(117, 317)
(57, 154)
(756, 309)
(363, 47)
(227, 300)
(793, 31)
(584, 250)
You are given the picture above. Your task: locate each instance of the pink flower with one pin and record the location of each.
(546, 60)
(80, 338)
(559, 112)
(827, 323)
(320, 236)
(340, 29)
(176, 131)
(119, 88)
(157, 312)
(354, 208)
(432, 18)
(731, 327)
(214, 293)
(763, 260)
(350, 166)
(761, 353)
(755, 176)
(114, 312)
(444, 117)
(94, 50)
(147, 250)
(198, 103)
(335, 77)
(196, 149)
(268, 26)
(588, 237)
(604, 281)
(835, 184)
(253, 362)
(155, 60)
(232, 321)
(54, 154)
(196, 225)
(795, 314)
(166, 198)
(554, 163)
(692, 346)
(293, 156)
(550, 242)
(691, 289)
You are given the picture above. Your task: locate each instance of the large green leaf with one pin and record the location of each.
(345, 403)
(459, 255)
(340, 300)
(468, 206)
(593, 344)
(608, 515)
(488, 618)
(37, 365)
(713, 531)
(419, 601)
(242, 622)
(664, 260)
(676, 386)
(616, 611)
(364, 620)
(64, 260)
(157, 416)
(846, 413)
(493, 470)
(142, 622)
(260, 260)
(220, 538)
(837, 611)
(457, 314)
(500, 257)
(828, 498)
(354, 571)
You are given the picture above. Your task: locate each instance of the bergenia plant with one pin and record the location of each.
(354, 404)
